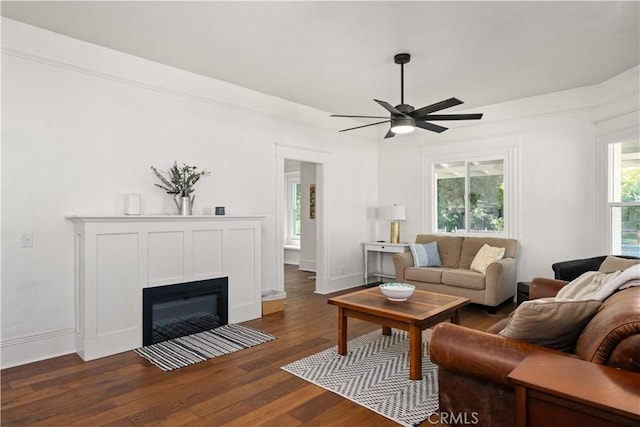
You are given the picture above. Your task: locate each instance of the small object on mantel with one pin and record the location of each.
(219, 210)
(132, 204)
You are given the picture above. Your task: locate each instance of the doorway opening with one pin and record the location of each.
(311, 211)
(300, 215)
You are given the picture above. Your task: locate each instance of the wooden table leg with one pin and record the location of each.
(415, 353)
(386, 330)
(342, 332)
(521, 406)
(455, 317)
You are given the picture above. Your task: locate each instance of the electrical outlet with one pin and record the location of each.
(27, 240)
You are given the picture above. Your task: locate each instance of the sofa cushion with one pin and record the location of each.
(551, 322)
(485, 256)
(472, 245)
(424, 274)
(612, 263)
(461, 278)
(425, 254)
(449, 247)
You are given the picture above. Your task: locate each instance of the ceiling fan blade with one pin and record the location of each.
(359, 117)
(389, 134)
(390, 108)
(447, 103)
(364, 126)
(436, 117)
(431, 127)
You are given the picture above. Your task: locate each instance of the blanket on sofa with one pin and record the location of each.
(599, 286)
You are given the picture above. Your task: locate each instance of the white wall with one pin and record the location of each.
(560, 193)
(81, 126)
(307, 224)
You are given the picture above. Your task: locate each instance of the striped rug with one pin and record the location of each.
(190, 349)
(375, 374)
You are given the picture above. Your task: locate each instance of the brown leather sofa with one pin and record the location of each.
(473, 365)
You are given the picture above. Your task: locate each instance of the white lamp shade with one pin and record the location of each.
(394, 213)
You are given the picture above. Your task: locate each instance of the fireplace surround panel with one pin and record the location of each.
(119, 256)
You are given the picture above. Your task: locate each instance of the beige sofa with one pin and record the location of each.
(455, 277)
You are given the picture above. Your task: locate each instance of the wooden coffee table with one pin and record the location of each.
(421, 311)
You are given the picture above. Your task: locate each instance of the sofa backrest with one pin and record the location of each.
(472, 245)
(459, 251)
(569, 270)
(449, 247)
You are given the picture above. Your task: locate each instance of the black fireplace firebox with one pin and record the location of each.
(173, 311)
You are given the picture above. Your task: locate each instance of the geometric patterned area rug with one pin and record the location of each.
(375, 374)
(190, 349)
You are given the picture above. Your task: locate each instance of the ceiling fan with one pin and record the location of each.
(404, 118)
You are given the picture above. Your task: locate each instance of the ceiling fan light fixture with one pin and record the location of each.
(402, 129)
(404, 118)
(400, 125)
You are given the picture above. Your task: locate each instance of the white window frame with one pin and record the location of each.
(505, 148)
(613, 233)
(291, 238)
(610, 130)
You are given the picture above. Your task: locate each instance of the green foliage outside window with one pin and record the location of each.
(486, 203)
(296, 209)
(630, 192)
(450, 204)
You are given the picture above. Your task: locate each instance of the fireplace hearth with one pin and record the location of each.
(173, 311)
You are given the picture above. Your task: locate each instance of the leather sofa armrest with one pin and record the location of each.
(400, 262)
(478, 354)
(542, 287)
(612, 336)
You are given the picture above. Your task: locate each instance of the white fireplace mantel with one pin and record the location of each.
(160, 217)
(117, 256)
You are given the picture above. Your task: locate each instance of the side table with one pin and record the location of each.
(564, 391)
(381, 248)
(522, 292)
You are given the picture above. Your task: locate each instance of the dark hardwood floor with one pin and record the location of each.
(246, 388)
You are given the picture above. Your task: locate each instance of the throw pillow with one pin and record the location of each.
(613, 263)
(425, 254)
(485, 256)
(551, 322)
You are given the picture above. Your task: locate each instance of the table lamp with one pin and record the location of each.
(394, 214)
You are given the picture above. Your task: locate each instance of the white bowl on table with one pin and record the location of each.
(397, 291)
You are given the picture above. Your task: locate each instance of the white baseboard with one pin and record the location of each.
(341, 283)
(33, 348)
(308, 265)
(292, 256)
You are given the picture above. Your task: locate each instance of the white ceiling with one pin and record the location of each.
(338, 56)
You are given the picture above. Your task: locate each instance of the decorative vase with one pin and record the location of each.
(184, 204)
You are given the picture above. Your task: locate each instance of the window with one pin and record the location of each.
(470, 196)
(295, 196)
(471, 187)
(624, 197)
(292, 193)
